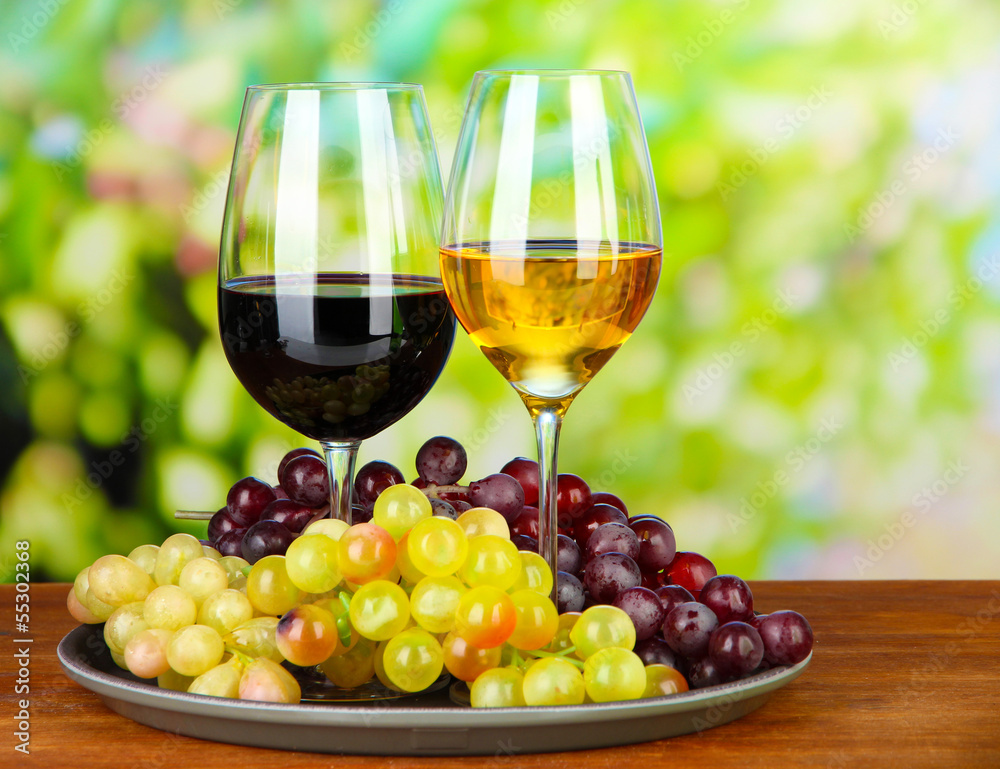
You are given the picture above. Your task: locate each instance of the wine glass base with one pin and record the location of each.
(316, 687)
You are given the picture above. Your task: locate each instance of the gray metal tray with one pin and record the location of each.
(423, 725)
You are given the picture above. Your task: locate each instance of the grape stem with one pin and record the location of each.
(433, 491)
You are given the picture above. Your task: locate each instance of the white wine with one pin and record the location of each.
(550, 313)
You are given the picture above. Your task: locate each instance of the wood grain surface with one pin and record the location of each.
(905, 674)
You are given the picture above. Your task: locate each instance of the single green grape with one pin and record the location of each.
(117, 580)
(437, 546)
(485, 616)
(333, 528)
(379, 610)
(307, 635)
(399, 508)
(537, 620)
(600, 627)
(352, 669)
(202, 577)
(170, 607)
(498, 688)
(124, 623)
(145, 556)
(194, 650)
(269, 588)
(535, 574)
(255, 638)
(312, 563)
(433, 602)
(234, 566)
(613, 674)
(221, 681)
(173, 555)
(225, 611)
(553, 681)
(492, 561)
(266, 681)
(413, 660)
(481, 520)
(146, 652)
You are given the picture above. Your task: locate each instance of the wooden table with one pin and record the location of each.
(905, 674)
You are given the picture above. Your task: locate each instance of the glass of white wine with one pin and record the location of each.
(551, 243)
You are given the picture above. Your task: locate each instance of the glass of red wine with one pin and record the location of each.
(331, 307)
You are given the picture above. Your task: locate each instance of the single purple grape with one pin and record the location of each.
(291, 515)
(736, 649)
(787, 637)
(361, 514)
(729, 597)
(657, 545)
(442, 508)
(374, 478)
(613, 538)
(498, 492)
(442, 460)
(524, 542)
(569, 593)
(702, 673)
(607, 498)
(265, 538)
(644, 609)
(219, 524)
(688, 627)
(569, 558)
(526, 472)
(247, 499)
(292, 455)
(606, 575)
(231, 543)
(656, 651)
(671, 595)
(594, 516)
(306, 481)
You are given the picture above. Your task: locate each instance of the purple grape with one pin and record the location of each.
(219, 524)
(595, 516)
(231, 543)
(671, 595)
(688, 627)
(265, 538)
(498, 492)
(613, 538)
(606, 575)
(305, 480)
(524, 542)
(569, 593)
(442, 508)
(736, 649)
(289, 514)
(292, 455)
(572, 495)
(657, 545)
(526, 472)
(374, 478)
(361, 514)
(655, 651)
(607, 498)
(442, 460)
(702, 673)
(247, 499)
(729, 597)
(460, 505)
(644, 609)
(787, 637)
(569, 558)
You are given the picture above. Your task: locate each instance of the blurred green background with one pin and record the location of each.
(814, 392)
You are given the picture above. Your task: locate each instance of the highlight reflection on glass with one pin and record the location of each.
(331, 308)
(551, 243)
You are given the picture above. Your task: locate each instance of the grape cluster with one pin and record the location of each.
(433, 576)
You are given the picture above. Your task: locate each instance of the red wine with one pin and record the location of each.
(336, 356)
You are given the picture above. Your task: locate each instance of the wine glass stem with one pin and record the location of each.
(340, 466)
(547, 423)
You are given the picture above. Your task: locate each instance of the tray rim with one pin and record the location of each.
(77, 668)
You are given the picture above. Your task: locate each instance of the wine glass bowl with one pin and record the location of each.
(551, 244)
(331, 309)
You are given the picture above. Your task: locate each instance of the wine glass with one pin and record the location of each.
(551, 243)
(331, 307)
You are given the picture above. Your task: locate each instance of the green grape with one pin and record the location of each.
(553, 681)
(498, 688)
(80, 612)
(119, 659)
(311, 562)
(194, 650)
(600, 627)
(211, 552)
(307, 635)
(485, 616)
(492, 561)
(399, 508)
(366, 552)
(146, 653)
(437, 546)
(234, 566)
(465, 661)
(97, 607)
(352, 669)
(123, 624)
(221, 681)
(116, 580)
(347, 636)
(174, 681)
(537, 620)
(433, 603)
(406, 567)
(613, 674)
(413, 660)
(661, 680)
(82, 584)
(145, 556)
(561, 640)
(202, 577)
(174, 553)
(255, 638)
(269, 588)
(379, 610)
(170, 607)
(225, 611)
(266, 681)
(481, 520)
(333, 528)
(535, 574)
(380, 667)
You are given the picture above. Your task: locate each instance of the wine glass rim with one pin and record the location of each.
(553, 72)
(347, 85)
